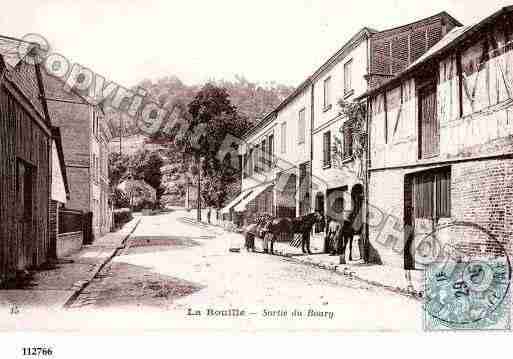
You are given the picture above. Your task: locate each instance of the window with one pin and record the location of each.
(263, 157)
(301, 127)
(256, 159)
(250, 163)
(429, 127)
(432, 194)
(270, 158)
(348, 140)
(327, 94)
(284, 137)
(244, 165)
(326, 158)
(348, 87)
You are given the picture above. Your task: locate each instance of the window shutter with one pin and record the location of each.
(326, 149)
(348, 141)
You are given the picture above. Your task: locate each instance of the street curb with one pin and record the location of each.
(344, 270)
(82, 284)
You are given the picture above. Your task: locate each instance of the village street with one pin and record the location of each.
(173, 264)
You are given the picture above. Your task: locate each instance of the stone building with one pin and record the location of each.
(85, 138)
(441, 143)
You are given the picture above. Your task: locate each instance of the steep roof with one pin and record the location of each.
(22, 74)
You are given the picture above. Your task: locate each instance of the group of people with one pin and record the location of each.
(338, 235)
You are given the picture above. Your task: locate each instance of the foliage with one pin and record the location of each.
(146, 165)
(142, 165)
(355, 114)
(212, 118)
(119, 198)
(253, 100)
(248, 102)
(118, 167)
(122, 216)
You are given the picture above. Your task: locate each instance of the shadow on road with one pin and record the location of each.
(122, 284)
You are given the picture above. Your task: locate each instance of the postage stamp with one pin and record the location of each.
(467, 286)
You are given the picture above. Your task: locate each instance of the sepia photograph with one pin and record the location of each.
(255, 167)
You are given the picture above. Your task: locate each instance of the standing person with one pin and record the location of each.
(208, 215)
(347, 234)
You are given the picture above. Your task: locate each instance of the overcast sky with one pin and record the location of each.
(265, 40)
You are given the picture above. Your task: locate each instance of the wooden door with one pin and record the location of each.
(431, 202)
(25, 223)
(429, 126)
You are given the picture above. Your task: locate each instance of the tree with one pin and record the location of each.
(146, 165)
(212, 120)
(118, 168)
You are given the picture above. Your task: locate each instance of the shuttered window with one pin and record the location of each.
(263, 156)
(327, 93)
(429, 126)
(301, 127)
(270, 158)
(326, 158)
(251, 163)
(244, 165)
(347, 77)
(284, 137)
(348, 141)
(432, 194)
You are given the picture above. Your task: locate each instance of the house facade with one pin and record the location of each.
(85, 138)
(302, 156)
(25, 165)
(441, 144)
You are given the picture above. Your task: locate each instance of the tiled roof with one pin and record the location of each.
(21, 73)
(451, 39)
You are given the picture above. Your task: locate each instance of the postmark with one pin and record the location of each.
(467, 283)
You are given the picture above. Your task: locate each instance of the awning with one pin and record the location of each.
(256, 191)
(240, 197)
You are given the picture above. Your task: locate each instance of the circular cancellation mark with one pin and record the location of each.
(467, 278)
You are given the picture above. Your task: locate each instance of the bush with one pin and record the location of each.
(122, 216)
(143, 204)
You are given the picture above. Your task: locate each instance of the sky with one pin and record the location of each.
(280, 41)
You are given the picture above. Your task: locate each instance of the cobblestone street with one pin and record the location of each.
(172, 264)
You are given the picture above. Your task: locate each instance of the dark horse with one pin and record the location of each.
(276, 226)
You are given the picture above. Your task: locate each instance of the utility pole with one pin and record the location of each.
(199, 190)
(120, 132)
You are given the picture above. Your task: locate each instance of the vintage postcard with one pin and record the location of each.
(255, 166)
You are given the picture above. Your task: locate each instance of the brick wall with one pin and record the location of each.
(79, 187)
(481, 193)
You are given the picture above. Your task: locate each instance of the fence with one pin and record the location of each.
(71, 220)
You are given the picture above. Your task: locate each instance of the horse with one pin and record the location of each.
(256, 229)
(285, 225)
